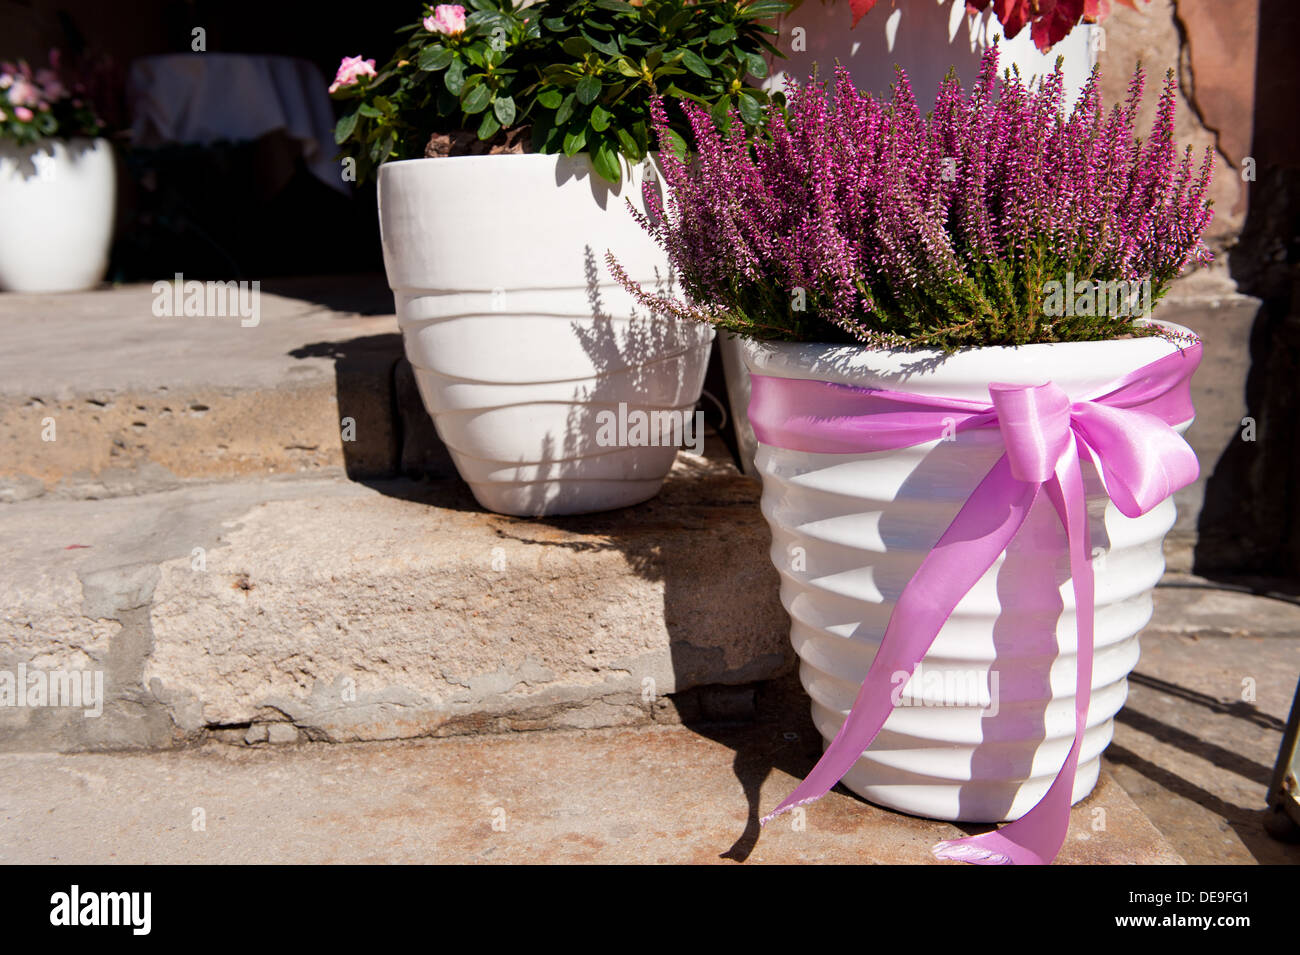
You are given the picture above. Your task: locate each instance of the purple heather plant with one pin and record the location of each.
(860, 221)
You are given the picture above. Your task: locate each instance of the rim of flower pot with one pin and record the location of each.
(582, 157)
(826, 350)
(1076, 366)
(57, 139)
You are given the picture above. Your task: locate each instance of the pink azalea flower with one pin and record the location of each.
(448, 19)
(25, 114)
(24, 93)
(54, 88)
(350, 70)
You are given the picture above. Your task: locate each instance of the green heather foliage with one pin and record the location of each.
(580, 74)
(861, 221)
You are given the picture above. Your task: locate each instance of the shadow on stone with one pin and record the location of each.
(369, 432)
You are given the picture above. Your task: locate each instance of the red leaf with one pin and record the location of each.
(860, 9)
(1013, 15)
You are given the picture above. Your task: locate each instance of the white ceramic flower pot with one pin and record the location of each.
(848, 532)
(57, 202)
(519, 337)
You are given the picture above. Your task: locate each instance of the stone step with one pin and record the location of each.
(615, 796)
(99, 396)
(314, 607)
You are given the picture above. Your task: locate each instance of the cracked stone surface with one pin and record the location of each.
(395, 610)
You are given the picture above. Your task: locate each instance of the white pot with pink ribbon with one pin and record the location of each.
(969, 425)
(967, 547)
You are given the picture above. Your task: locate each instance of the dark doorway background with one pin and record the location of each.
(207, 211)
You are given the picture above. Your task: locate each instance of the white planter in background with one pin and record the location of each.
(730, 347)
(57, 202)
(519, 337)
(848, 532)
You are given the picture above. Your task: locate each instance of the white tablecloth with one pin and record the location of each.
(205, 97)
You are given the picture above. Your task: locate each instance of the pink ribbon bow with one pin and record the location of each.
(1127, 428)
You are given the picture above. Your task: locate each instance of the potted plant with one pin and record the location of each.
(506, 139)
(969, 424)
(58, 184)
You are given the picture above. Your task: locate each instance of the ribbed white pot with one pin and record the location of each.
(57, 202)
(520, 339)
(848, 532)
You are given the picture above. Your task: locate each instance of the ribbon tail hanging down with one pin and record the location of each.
(986, 523)
(1037, 836)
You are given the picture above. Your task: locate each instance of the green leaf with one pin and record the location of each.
(605, 160)
(721, 112)
(476, 99)
(723, 34)
(761, 9)
(676, 144)
(550, 99)
(600, 118)
(344, 128)
(454, 78)
(691, 60)
(626, 68)
(750, 111)
(618, 6)
(504, 108)
(435, 57)
(368, 111)
(380, 149)
(565, 111)
(576, 46)
(575, 140)
(555, 24)
(488, 126)
(627, 142)
(608, 47)
(755, 65)
(588, 89)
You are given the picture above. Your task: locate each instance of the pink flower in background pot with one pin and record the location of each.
(351, 69)
(52, 85)
(448, 19)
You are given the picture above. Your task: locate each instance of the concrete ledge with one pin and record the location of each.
(354, 612)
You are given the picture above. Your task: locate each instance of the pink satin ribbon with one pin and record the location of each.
(1126, 427)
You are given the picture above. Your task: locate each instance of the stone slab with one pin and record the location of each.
(620, 796)
(100, 396)
(394, 610)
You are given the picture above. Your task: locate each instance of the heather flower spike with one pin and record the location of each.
(860, 220)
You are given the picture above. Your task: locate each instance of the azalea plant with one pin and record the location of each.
(574, 76)
(44, 103)
(862, 221)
